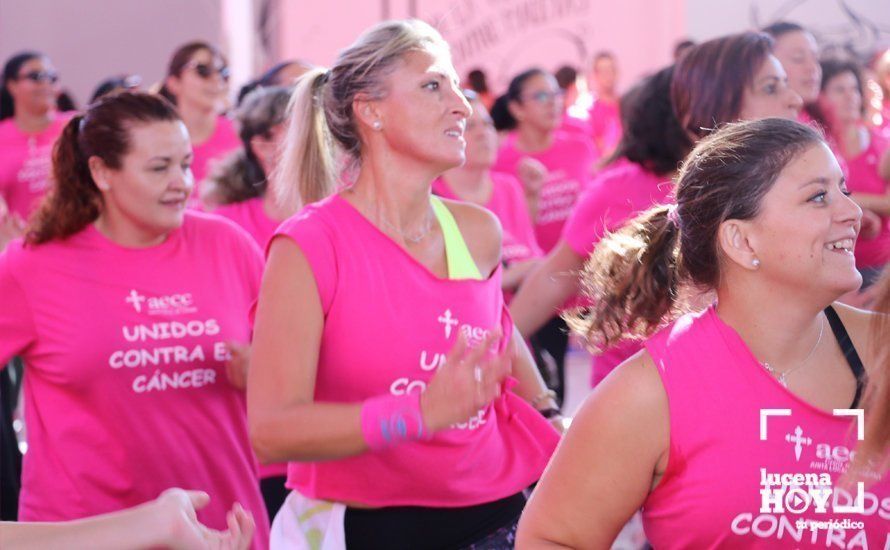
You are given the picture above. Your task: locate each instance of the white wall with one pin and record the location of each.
(89, 40)
(863, 25)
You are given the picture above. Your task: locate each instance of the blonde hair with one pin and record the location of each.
(321, 120)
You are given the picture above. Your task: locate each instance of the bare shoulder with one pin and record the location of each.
(481, 230)
(635, 388)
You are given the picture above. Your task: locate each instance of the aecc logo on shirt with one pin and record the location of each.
(172, 304)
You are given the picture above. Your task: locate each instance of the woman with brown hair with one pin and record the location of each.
(866, 150)
(713, 428)
(126, 336)
(719, 81)
(197, 82)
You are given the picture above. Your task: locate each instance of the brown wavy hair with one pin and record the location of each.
(102, 131)
(636, 276)
(709, 82)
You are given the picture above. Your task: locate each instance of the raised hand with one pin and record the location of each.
(469, 380)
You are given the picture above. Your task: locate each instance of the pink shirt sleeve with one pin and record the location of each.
(17, 330)
(312, 235)
(594, 214)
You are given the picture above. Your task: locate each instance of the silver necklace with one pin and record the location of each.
(782, 377)
(411, 238)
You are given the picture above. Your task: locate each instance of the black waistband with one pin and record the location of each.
(418, 527)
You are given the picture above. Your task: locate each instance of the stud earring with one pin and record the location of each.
(377, 125)
(102, 186)
(755, 262)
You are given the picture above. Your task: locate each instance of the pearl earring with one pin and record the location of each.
(102, 186)
(755, 262)
(377, 125)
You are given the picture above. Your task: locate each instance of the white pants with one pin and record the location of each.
(308, 524)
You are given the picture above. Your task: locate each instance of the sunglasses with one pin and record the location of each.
(40, 76)
(544, 96)
(131, 82)
(205, 70)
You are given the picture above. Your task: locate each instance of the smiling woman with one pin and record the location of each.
(118, 324)
(764, 220)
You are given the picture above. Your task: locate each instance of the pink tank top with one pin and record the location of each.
(399, 321)
(725, 451)
(864, 178)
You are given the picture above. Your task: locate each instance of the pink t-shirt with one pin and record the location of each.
(398, 336)
(26, 163)
(605, 126)
(125, 387)
(252, 217)
(569, 161)
(864, 178)
(223, 141)
(724, 449)
(618, 193)
(575, 126)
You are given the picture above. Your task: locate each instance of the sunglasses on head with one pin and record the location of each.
(40, 76)
(206, 70)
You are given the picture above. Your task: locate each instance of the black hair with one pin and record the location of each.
(10, 72)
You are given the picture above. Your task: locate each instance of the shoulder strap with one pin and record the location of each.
(850, 353)
(460, 261)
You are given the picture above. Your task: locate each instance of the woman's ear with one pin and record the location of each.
(736, 243)
(99, 172)
(367, 112)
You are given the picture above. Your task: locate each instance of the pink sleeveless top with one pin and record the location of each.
(388, 324)
(723, 453)
(864, 178)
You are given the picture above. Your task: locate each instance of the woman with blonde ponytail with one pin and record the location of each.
(764, 220)
(382, 347)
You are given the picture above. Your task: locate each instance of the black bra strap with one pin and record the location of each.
(850, 353)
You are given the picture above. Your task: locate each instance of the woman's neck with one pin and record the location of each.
(273, 209)
(778, 327)
(533, 140)
(851, 137)
(33, 123)
(471, 184)
(394, 190)
(200, 121)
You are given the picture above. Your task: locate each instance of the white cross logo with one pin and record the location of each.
(448, 321)
(136, 299)
(798, 441)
